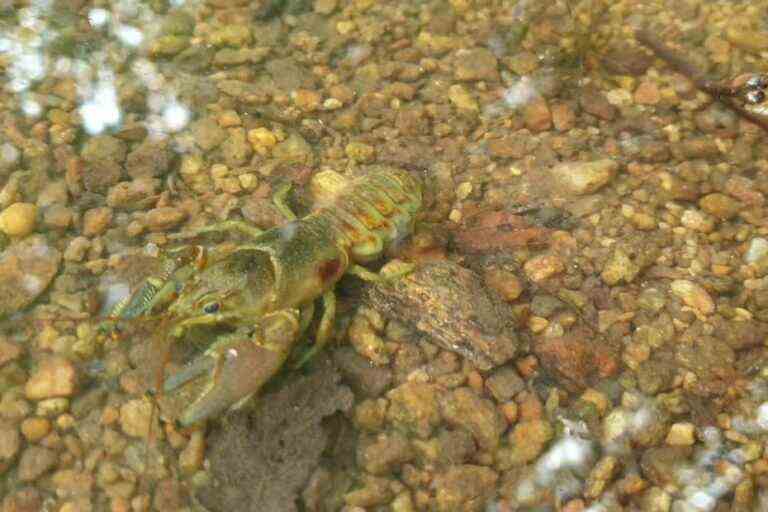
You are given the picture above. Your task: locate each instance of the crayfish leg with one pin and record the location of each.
(280, 200)
(324, 330)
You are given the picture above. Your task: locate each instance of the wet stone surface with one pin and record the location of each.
(449, 304)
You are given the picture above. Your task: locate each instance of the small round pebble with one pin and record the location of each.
(18, 219)
(681, 434)
(36, 428)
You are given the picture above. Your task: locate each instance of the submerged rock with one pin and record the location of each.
(449, 304)
(26, 270)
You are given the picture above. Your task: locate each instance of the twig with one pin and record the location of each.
(721, 92)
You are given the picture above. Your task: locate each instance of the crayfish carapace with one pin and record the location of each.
(258, 296)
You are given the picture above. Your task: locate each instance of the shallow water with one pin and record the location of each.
(584, 326)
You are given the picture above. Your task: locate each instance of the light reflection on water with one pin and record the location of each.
(27, 48)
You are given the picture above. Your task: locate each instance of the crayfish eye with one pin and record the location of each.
(211, 307)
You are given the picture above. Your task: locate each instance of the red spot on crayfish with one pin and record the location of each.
(329, 270)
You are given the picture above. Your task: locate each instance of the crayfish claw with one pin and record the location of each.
(190, 372)
(239, 366)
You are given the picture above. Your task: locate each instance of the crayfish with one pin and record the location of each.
(257, 298)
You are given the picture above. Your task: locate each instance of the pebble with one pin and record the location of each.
(236, 149)
(594, 102)
(720, 205)
(681, 434)
(35, 462)
(231, 35)
(307, 100)
(757, 249)
(619, 268)
(600, 476)
(367, 342)
(462, 98)
(18, 219)
(164, 218)
(373, 491)
(466, 487)
(178, 22)
(55, 377)
(132, 195)
(150, 159)
(52, 407)
(294, 150)
(693, 295)
(10, 443)
(647, 93)
(96, 220)
(262, 140)
(543, 266)
(387, 453)
(698, 221)
(476, 64)
(36, 428)
(656, 499)
(504, 383)
(596, 398)
(414, 408)
(580, 178)
(168, 46)
(77, 249)
(527, 440)
(464, 408)
(207, 133)
(8, 351)
(505, 282)
(563, 117)
(135, 416)
(537, 115)
(103, 156)
(57, 216)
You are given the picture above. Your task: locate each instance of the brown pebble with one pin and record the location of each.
(36, 461)
(96, 220)
(543, 266)
(563, 117)
(647, 93)
(537, 116)
(55, 377)
(475, 381)
(505, 282)
(164, 218)
(531, 407)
